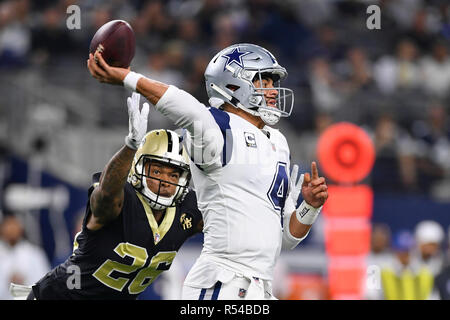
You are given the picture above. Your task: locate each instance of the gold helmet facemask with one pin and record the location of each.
(165, 147)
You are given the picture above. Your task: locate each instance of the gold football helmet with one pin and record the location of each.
(164, 146)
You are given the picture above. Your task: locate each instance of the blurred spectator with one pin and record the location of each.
(433, 146)
(442, 280)
(225, 32)
(174, 52)
(444, 8)
(394, 169)
(404, 279)
(98, 17)
(15, 35)
(380, 256)
(207, 15)
(157, 68)
(50, 39)
(329, 44)
(403, 11)
(400, 71)
(327, 94)
(356, 69)
(436, 71)
(380, 250)
(429, 237)
(190, 34)
(314, 12)
(153, 19)
(423, 29)
(194, 83)
(21, 262)
(306, 146)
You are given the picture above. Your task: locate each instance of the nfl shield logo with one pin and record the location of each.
(157, 237)
(242, 293)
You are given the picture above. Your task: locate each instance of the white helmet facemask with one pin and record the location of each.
(157, 201)
(154, 200)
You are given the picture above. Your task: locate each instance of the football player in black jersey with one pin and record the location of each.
(138, 215)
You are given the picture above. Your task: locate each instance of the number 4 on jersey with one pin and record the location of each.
(278, 189)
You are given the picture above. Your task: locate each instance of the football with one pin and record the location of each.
(116, 42)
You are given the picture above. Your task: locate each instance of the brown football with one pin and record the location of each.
(116, 42)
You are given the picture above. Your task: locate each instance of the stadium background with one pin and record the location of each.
(58, 125)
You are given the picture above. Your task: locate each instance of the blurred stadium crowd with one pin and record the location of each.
(394, 82)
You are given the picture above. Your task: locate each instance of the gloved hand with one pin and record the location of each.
(294, 190)
(137, 121)
(314, 191)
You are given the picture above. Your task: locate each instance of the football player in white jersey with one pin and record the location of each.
(240, 168)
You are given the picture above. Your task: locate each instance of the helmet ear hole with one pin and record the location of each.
(232, 87)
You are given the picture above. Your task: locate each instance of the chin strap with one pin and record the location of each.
(152, 203)
(268, 116)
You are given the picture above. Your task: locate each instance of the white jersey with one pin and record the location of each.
(241, 181)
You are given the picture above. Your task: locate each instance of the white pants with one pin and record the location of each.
(238, 288)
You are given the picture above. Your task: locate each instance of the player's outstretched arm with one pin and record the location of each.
(107, 198)
(100, 70)
(315, 192)
(178, 105)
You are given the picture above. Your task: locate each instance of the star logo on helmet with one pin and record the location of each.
(236, 57)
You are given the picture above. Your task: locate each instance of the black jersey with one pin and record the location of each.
(126, 255)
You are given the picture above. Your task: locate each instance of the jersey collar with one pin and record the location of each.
(158, 231)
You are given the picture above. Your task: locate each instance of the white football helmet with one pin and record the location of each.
(230, 76)
(164, 146)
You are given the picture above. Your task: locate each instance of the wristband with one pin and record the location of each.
(131, 80)
(306, 213)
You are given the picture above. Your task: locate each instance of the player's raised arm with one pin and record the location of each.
(100, 70)
(178, 105)
(106, 200)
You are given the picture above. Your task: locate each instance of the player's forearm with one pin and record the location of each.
(294, 231)
(115, 173)
(107, 198)
(151, 89)
(298, 229)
